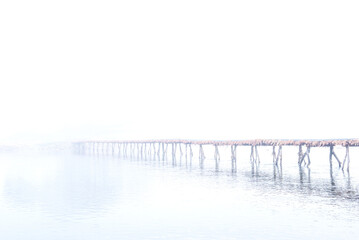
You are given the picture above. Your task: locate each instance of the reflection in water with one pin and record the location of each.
(255, 168)
(107, 197)
(304, 174)
(320, 187)
(277, 171)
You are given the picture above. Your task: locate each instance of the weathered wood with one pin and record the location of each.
(336, 157)
(254, 157)
(234, 157)
(300, 153)
(346, 159)
(144, 148)
(256, 142)
(277, 157)
(216, 153)
(201, 153)
(191, 151)
(306, 154)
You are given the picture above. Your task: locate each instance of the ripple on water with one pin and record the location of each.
(104, 197)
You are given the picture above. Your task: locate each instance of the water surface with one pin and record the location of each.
(86, 196)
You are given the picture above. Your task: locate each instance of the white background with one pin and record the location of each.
(72, 70)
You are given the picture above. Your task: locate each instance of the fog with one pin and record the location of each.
(75, 70)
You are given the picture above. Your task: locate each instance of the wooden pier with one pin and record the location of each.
(158, 149)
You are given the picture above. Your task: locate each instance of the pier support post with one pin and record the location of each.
(300, 154)
(165, 146)
(331, 156)
(234, 157)
(306, 154)
(217, 157)
(159, 151)
(145, 151)
(190, 154)
(180, 148)
(174, 153)
(332, 153)
(277, 157)
(346, 159)
(154, 151)
(163, 151)
(201, 154)
(254, 154)
(216, 153)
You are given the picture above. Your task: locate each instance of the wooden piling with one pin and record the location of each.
(147, 148)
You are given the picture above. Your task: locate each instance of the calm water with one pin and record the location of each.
(73, 196)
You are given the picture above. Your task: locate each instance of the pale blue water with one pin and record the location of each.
(69, 196)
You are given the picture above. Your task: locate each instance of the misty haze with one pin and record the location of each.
(179, 119)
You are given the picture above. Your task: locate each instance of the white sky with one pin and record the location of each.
(76, 69)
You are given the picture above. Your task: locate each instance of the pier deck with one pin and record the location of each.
(254, 142)
(158, 148)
